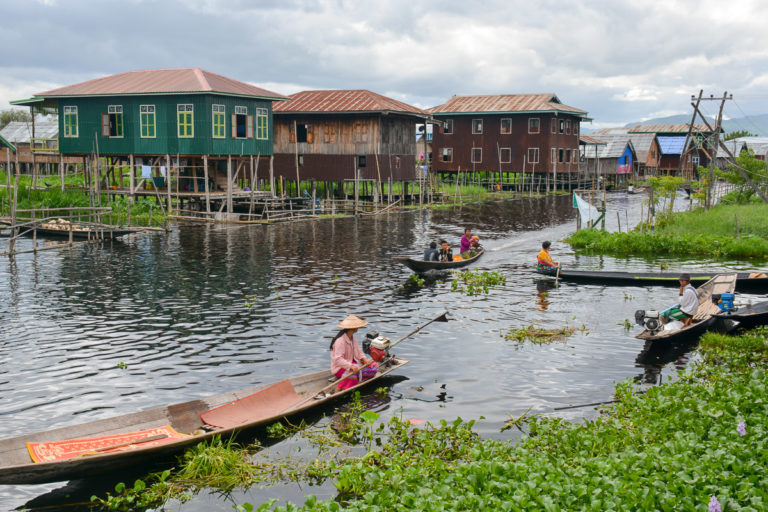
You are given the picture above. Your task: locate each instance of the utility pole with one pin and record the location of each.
(684, 152)
(718, 127)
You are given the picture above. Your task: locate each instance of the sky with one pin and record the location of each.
(620, 60)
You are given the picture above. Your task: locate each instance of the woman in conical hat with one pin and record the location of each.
(346, 356)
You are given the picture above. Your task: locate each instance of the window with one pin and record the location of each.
(304, 133)
(361, 161)
(262, 122)
(567, 155)
(242, 123)
(553, 124)
(447, 155)
(477, 126)
(567, 126)
(576, 128)
(147, 119)
(553, 155)
(185, 120)
(219, 127)
(112, 121)
(505, 155)
(397, 162)
(560, 155)
(533, 155)
(70, 121)
(301, 160)
(448, 126)
(575, 156)
(329, 133)
(694, 159)
(361, 132)
(477, 155)
(506, 125)
(533, 125)
(562, 125)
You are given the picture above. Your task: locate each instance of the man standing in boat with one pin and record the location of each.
(544, 260)
(689, 303)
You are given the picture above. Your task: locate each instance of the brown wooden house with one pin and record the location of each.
(337, 135)
(507, 133)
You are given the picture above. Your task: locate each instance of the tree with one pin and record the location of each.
(6, 116)
(737, 134)
(756, 170)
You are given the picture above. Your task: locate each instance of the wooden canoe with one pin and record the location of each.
(747, 316)
(746, 282)
(17, 466)
(705, 315)
(419, 266)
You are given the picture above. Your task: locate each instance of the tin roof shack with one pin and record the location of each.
(697, 150)
(41, 151)
(507, 133)
(613, 160)
(211, 124)
(670, 151)
(646, 149)
(337, 135)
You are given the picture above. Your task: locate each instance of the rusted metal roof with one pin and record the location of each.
(668, 128)
(613, 147)
(355, 100)
(162, 81)
(505, 103)
(586, 139)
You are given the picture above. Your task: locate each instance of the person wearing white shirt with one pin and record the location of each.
(689, 303)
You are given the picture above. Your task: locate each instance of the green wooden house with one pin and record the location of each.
(185, 120)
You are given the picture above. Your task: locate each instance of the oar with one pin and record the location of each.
(557, 276)
(442, 318)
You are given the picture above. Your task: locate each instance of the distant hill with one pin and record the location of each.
(757, 124)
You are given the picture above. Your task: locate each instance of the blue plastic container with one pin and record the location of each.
(726, 302)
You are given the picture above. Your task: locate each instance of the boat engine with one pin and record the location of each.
(648, 319)
(376, 346)
(724, 301)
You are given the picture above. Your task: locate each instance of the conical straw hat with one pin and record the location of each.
(352, 322)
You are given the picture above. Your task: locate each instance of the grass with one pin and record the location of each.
(720, 220)
(538, 335)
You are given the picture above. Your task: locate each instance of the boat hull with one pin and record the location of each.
(420, 266)
(16, 466)
(748, 316)
(744, 282)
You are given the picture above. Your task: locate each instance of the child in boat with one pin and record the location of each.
(544, 262)
(446, 253)
(431, 254)
(346, 356)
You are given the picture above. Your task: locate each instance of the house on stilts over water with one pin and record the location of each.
(185, 134)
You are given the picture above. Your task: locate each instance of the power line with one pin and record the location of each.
(746, 116)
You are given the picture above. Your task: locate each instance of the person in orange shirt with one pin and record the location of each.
(544, 262)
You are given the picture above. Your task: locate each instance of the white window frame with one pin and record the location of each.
(117, 109)
(480, 131)
(185, 107)
(501, 157)
(446, 124)
(567, 126)
(553, 155)
(554, 125)
(241, 110)
(145, 109)
(538, 125)
(218, 109)
(501, 126)
(71, 110)
(576, 127)
(472, 156)
(536, 152)
(262, 113)
(442, 154)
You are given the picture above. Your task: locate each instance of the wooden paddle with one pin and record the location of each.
(557, 276)
(441, 318)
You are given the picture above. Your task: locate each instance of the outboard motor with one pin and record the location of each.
(376, 346)
(724, 301)
(648, 319)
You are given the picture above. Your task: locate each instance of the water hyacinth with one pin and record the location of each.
(742, 429)
(714, 505)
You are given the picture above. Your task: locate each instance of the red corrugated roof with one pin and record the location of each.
(504, 103)
(357, 100)
(161, 81)
(590, 140)
(667, 128)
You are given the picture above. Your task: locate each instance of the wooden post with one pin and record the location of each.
(131, 179)
(254, 180)
(168, 182)
(272, 175)
(296, 152)
(207, 188)
(314, 194)
(61, 171)
(229, 184)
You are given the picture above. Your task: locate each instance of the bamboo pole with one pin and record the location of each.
(207, 187)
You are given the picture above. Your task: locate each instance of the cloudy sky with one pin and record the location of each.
(621, 60)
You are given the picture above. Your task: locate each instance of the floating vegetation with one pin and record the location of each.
(416, 281)
(626, 324)
(539, 335)
(475, 283)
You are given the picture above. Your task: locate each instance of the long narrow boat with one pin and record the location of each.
(747, 316)
(100, 446)
(425, 266)
(705, 315)
(747, 282)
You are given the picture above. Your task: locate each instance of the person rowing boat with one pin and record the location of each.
(544, 261)
(347, 358)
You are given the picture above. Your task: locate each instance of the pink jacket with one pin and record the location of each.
(344, 354)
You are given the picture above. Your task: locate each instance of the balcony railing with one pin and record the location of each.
(40, 145)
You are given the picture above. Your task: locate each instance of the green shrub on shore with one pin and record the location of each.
(662, 243)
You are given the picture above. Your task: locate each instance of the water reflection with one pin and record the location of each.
(655, 355)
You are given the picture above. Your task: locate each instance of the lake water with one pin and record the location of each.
(97, 331)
